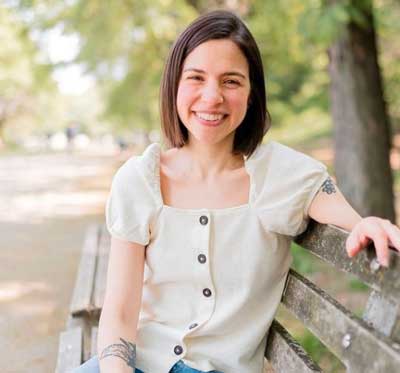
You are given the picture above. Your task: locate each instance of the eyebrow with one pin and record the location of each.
(236, 73)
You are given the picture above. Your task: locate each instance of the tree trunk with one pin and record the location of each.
(361, 125)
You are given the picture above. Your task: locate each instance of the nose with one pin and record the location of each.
(212, 93)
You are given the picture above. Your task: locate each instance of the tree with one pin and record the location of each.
(22, 78)
(361, 125)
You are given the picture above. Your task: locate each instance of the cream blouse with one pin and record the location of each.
(213, 278)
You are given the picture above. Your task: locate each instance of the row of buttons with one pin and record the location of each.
(207, 292)
(202, 258)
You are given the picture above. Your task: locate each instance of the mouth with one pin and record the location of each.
(210, 120)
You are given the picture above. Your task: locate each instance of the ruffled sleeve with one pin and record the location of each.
(286, 183)
(131, 205)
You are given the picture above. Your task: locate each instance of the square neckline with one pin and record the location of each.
(202, 209)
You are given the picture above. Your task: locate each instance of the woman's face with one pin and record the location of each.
(213, 91)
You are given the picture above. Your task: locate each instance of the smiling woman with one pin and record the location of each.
(201, 230)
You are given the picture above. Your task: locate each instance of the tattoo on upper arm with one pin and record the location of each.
(328, 186)
(125, 350)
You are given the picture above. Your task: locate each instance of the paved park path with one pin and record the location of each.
(46, 203)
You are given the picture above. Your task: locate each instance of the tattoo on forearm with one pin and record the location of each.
(125, 350)
(328, 186)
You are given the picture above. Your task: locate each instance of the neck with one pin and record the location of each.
(205, 161)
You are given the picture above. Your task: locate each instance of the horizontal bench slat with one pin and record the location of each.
(69, 350)
(82, 296)
(348, 337)
(328, 243)
(285, 354)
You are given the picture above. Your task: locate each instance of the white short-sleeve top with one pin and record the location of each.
(213, 278)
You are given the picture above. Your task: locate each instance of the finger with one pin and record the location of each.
(355, 243)
(379, 236)
(381, 247)
(352, 243)
(393, 233)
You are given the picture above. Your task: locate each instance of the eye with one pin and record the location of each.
(230, 81)
(195, 77)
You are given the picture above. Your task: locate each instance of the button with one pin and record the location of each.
(178, 349)
(203, 220)
(193, 325)
(207, 292)
(202, 258)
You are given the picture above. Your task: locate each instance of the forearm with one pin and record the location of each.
(116, 344)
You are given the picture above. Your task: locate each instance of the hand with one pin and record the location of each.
(381, 231)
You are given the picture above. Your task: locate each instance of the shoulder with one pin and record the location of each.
(140, 172)
(273, 159)
(147, 159)
(285, 182)
(273, 151)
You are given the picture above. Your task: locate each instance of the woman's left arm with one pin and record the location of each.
(330, 207)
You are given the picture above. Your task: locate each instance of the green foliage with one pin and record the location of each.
(387, 15)
(323, 23)
(125, 44)
(312, 345)
(357, 286)
(15, 57)
(303, 261)
(319, 353)
(295, 71)
(23, 78)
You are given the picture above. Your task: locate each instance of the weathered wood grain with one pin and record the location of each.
(285, 354)
(82, 296)
(356, 344)
(383, 314)
(69, 350)
(93, 342)
(101, 269)
(328, 243)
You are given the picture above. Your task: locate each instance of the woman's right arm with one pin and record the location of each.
(116, 343)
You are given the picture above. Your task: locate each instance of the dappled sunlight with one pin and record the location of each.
(51, 204)
(38, 187)
(13, 290)
(46, 202)
(36, 308)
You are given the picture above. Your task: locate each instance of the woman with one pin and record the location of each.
(201, 231)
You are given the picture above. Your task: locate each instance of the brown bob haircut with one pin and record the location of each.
(217, 24)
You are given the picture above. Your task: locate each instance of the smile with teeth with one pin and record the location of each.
(210, 117)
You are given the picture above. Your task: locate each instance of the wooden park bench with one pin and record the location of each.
(367, 344)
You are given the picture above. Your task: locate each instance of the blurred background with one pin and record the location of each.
(79, 84)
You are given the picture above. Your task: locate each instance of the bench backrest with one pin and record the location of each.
(370, 344)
